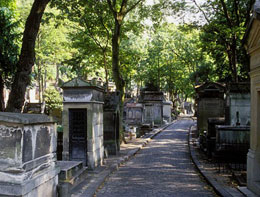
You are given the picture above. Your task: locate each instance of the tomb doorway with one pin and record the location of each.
(78, 135)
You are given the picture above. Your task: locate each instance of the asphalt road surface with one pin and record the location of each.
(162, 168)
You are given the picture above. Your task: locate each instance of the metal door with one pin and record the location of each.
(78, 135)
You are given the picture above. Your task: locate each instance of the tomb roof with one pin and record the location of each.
(24, 118)
(80, 83)
(210, 86)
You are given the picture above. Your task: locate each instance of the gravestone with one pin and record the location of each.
(252, 39)
(27, 155)
(152, 100)
(238, 104)
(210, 103)
(111, 123)
(134, 113)
(167, 111)
(82, 120)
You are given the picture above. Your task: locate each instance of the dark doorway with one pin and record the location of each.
(78, 135)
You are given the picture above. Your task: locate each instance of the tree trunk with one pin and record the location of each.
(27, 57)
(2, 101)
(106, 69)
(120, 83)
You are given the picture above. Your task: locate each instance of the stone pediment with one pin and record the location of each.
(252, 36)
(76, 82)
(210, 86)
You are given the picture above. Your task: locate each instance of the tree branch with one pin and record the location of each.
(133, 6)
(226, 13)
(236, 12)
(111, 7)
(200, 9)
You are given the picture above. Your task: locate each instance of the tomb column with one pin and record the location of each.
(252, 38)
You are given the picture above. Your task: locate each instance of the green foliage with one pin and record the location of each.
(53, 99)
(222, 37)
(9, 47)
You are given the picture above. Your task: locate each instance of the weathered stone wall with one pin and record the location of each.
(153, 113)
(27, 156)
(239, 103)
(96, 153)
(167, 112)
(253, 49)
(209, 108)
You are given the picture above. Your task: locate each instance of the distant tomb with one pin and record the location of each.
(252, 39)
(210, 103)
(152, 100)
(82, 120)
(167, 111)
(27, 155)
(111, 123)
(238, 104)
(134, 114)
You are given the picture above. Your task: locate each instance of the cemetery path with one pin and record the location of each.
(162, 168)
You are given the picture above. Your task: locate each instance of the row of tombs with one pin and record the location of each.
(233, 139)
(223, 121)
(28, 142)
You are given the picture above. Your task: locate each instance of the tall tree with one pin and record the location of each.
(223, 32)
(27, 57)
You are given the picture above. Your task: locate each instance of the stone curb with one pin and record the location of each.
(219, 188)
(101, 177)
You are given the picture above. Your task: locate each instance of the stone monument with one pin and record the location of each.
(152, 100)
(27, 155)
(111, 123)
(238, 104)
(82, 120)
(252, 39)
(210, 103)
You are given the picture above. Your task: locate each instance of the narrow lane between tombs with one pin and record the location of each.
(162, 168)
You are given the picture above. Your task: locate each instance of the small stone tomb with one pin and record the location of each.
(210, 103)
(152, 101)
(27, 155)
(82, 120)
(167, 111)
(134, 112)
(111, 123)
(238, 104)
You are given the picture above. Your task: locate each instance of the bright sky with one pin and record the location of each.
(188, 17)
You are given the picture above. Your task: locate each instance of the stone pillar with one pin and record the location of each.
(253, 157)
(252, 38)
(27, 155)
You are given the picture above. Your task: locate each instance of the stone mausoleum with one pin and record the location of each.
(210, 103)
(152, 100)
(82, 120)
(252, 38)
(238, 104)
(27, 155)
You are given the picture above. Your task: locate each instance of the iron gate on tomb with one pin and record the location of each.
(78, 135)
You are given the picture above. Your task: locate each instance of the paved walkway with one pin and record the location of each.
(162, 168)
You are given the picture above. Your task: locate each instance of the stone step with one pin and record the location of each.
(68, 169)
(72, 174)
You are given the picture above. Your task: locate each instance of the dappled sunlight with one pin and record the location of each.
(162, 168)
